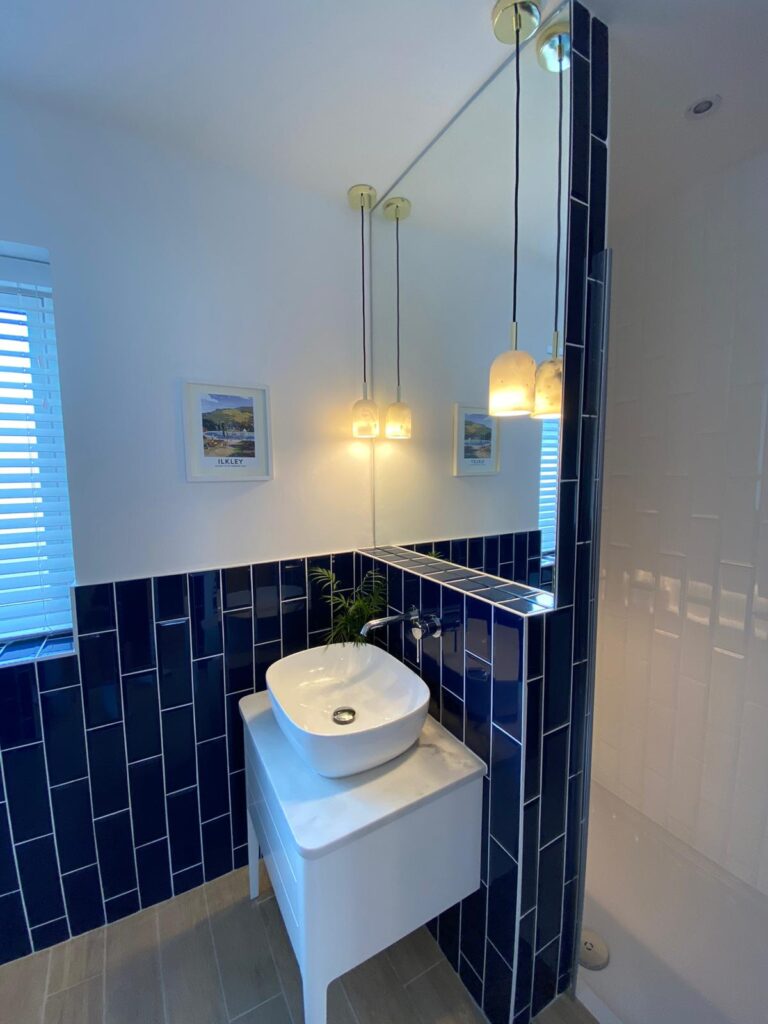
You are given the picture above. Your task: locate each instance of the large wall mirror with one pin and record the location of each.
(475, 490)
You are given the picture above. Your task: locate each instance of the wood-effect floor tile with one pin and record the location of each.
(414, 955)
(76, 960)
(565, 1010)
(22, 989)
(133, 987)
(190, 977)
(244, 955)
(440, 998)
(375, 994)
(81, 1004)
(273, 1012)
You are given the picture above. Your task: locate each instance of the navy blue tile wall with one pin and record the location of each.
(512, 556)
(123, 777)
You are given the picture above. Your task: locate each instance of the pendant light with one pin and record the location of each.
(365, 413)
(554, 53)
(513, 373)
(397, 426)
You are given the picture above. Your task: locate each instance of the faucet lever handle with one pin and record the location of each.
(426, 625)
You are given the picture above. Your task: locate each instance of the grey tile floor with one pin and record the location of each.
(211, 956)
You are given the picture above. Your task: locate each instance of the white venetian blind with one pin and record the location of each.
(550, 461)
(36, 565)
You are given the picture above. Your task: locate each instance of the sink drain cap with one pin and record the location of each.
(344, 716)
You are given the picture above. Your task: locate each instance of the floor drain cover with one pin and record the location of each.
(344, 716)
(594, 953)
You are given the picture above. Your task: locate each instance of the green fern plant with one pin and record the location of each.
(350, 611)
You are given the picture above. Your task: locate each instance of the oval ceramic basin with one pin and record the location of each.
(389, 702)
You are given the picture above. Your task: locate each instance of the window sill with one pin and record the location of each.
(36, 648)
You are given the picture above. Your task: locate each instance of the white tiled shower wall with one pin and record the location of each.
(681, 714)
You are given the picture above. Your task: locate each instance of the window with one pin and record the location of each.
(36, 565)
(550, 461)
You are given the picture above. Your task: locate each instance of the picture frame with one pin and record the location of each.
(475, 441)
(227, 433)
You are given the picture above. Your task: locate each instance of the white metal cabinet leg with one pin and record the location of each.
(315, 1001)
(253, 860)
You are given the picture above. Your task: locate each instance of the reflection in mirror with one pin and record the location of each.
(472, 488)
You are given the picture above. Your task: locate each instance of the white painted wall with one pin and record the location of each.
(168, 268)
(681, 715)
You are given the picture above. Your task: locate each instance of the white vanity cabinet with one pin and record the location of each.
(358, 862)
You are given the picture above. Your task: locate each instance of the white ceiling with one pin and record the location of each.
(319, 92)
(666, 54)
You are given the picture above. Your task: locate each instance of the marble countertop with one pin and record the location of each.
(324, 813)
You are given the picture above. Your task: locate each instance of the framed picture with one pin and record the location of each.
(227, 432)
(475, 442)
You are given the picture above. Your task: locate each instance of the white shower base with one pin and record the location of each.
(688, 941)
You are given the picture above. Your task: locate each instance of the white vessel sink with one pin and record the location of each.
(380, 706)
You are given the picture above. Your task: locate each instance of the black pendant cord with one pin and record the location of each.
(517, 164)
(559, 189)
(362, 282)
(397, 296)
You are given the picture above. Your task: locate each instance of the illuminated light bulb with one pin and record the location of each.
(398, 422)
(512, 382)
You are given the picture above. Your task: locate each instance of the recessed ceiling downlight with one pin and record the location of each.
(704, 107)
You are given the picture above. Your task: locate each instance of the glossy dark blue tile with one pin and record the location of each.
(50, 934)
(491, 555)
(154, 871)
(73, 825)
(205, 613)
(578, 717)
(115, 847)
(238, 650)
(57, 672)
(135, 625)
(530, 856)
(577, 272)
(213, 775)
(459, 551)
(550, 893)
(558, 640)
(545, 977)
(453, 643)
(19, 707)
(592, 349)
(173, 659)
(294, 617)
(26, 787)
(580, 28)
(533, 730)
(184, 829)
(62, 713)
(188, 879)
(502, 901)
(572, 399)
(573, 835)
(452, 714)
(477, 703)
(475, 552)
(217, 847)
(14, 936)
(238, 808)
(597, 203)
(95, 608)
(208, 677)
(319, 610)
(141, 710)
(235, 734)
(535, 655)
(101, 679)
(570, 917)
(580, 118)
(8, 878)
(506, 781)
(486, 827)
(473, 928)
(293, 579)
(508, 672)
(525, 956)
(472, 982)
(147, 800)
(587, 470)
(497, 996)
(411, 597)
(343, 566)
(599, 80)
(554, 779)
(122, 906)
(478, 628)
(264, 655)
(109, 778)
(237, 587)
(39, 877)
(171, 597)
(566, 542)
(179, 748)
(82, 894)
(448, 932)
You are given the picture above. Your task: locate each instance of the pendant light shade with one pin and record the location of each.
(548, 402)
(512, 382)
(365, 412)
(397, 426)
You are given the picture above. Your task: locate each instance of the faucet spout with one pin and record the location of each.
(410, 616)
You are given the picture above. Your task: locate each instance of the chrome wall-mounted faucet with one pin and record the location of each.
(421, 625)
